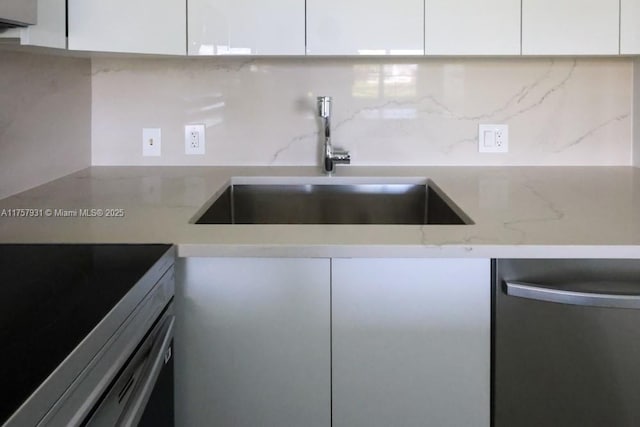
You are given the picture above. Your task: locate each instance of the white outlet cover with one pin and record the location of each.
(493, 138)
(151, 142)
(194, 139)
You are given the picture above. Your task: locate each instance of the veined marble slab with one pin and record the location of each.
(518, 212)
(386, 111)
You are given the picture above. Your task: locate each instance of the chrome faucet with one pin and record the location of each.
(330, 157)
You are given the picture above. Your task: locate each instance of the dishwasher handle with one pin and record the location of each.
(160, 353)
(572, 297)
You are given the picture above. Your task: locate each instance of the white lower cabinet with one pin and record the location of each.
(410, 342)
(253, 340)
(342, 342)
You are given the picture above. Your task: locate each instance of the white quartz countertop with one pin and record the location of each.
(517, 212)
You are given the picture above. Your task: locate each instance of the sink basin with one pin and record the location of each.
(325, 201)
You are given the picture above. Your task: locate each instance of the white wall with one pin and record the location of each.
(45, 119)
(386, 111)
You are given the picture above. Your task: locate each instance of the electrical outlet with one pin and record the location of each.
(493, 138)
(151, 142)
(194, 140)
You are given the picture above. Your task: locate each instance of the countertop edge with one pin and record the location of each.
(188, 250)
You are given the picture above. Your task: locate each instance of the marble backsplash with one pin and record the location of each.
(561, 111)
(45, 118)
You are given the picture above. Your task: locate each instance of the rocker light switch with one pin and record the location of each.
(493, 138)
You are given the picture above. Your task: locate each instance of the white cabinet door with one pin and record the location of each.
(19, 11)
(246, 27)
(376, 27)
(629, 28)
(471, 27)
(570, 27)
(134, 26)
(252, 342)
(410, 342)
(51, 29)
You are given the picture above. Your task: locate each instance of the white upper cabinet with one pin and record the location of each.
(570, 27)
(134, 26)
(375, 27)
(629, 27)
(51, 29)
(246, 27)
(21, 12)
(471, 27)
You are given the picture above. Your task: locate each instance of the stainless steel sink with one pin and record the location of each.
(329, 203)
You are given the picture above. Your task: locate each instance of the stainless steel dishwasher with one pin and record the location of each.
(566, 343)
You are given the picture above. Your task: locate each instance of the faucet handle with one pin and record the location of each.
(324, 106)
(341, 156)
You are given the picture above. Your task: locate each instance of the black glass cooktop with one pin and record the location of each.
(51, 297)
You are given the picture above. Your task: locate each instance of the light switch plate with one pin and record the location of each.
(151, 142)
(194, 139)
(493, 138)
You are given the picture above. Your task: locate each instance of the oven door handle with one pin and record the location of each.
(562, 296)
(159, 355)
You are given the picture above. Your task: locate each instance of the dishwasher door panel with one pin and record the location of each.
(566, 365)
